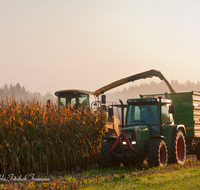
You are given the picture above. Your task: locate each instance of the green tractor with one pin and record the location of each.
(148, 133)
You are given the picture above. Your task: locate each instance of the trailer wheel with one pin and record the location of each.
(157, 153)
(198, 151)
(105, 156)
(178, 149)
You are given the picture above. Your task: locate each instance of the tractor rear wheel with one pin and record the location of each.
(105, 156)
(198, 151)
(157, 153)
(178, 149)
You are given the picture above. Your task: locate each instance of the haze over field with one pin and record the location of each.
(53, 45)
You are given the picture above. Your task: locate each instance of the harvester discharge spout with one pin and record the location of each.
(143, 75)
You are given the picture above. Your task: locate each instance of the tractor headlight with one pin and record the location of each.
(133, 143)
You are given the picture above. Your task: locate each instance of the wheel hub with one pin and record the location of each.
(128, 153)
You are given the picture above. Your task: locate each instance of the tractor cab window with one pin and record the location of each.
(83, 100)
(62, 102)
(166, 117)
(92, 98)
(74, 100)
(137, 114)
(150, 114)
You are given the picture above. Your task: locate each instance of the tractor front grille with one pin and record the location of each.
(130, 134)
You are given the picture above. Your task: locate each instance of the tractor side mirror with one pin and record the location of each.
(103, 99)
(171, 109)
(110, 111)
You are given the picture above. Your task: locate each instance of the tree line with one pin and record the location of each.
(20, 93)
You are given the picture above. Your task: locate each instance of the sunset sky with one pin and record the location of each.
(51, 45)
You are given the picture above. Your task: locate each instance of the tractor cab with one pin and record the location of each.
(71, 98)
(150, 112)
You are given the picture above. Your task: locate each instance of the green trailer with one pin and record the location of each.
(187, 112)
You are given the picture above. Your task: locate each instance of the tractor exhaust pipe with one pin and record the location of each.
(122, 110)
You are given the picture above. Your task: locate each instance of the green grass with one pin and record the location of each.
(141, 177)
(169, 177)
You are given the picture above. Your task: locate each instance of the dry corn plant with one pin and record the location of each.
(36, 139)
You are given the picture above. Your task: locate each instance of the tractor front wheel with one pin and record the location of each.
(157, 153)
(105, 156)
(178, 149)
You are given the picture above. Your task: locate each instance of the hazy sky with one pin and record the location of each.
(49, 45)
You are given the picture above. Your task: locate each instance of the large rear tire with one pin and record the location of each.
(105, 156)
(178, 149)
(157, 153)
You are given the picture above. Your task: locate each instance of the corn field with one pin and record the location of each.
(36, 139)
